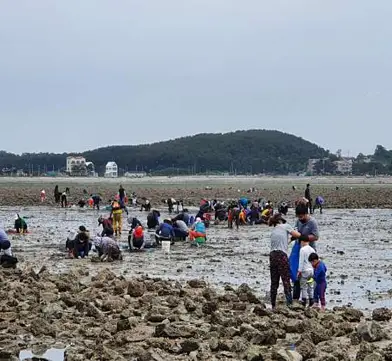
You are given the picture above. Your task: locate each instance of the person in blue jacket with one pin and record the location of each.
(165, 232)
(320, 277)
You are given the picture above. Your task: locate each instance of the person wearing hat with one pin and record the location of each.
(136, 239)
(20, 224)
(198, 230)
(279, 262)
(308, 228)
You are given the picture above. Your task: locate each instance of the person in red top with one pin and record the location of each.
(136, 241)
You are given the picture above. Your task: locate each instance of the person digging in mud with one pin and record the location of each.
(64, 202)
(305, 273)
(254, 216)
(267, 213)
(198, 234)
(146, 206)
(153, 219)
(320, 270)
(96, 200)
(181, 230)
(182, 216)
(165, 232)
(107, 248)
(20, 224)
(319, 204)
(116, 214)
(107, 224)
(170, 204)
(279, 262)
(7, 259)
(308, 228)
(283, 208)
(136, 239)
(80, 246)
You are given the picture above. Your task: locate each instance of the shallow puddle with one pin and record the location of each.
(52, 354)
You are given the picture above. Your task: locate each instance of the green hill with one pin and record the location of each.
(252, 151)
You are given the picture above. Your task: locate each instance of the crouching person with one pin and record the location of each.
(165, 232)
(136, 239)
(81, 243)
(7, 259)
(108, 249)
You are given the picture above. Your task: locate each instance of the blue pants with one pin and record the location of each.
(319, 293)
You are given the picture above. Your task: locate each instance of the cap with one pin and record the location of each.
(82, 229)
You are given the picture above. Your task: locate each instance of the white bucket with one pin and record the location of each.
(166, 246)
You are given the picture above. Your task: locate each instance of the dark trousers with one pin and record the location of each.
(280, 269)
(81, 249)
(296, 290)
(64, 202)
(180, 233)
(96, 205)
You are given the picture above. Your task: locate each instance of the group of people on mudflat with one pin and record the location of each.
(303, 267)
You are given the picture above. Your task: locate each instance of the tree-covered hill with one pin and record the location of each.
(252, 151)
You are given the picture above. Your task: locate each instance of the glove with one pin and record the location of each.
(304, 238)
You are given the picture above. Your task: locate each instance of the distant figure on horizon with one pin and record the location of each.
(43, 195)
(309, 198)
(57, 194)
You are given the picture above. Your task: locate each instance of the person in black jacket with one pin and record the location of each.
(309, 198)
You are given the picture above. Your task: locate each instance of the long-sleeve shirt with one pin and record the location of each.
(304, 264)
(320, 273)
(166, 230)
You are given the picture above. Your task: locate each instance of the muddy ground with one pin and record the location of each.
(106, 317)
(355, 244)
(352, 193)
(148, 308)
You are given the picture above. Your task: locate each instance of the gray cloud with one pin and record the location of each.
(76, 75)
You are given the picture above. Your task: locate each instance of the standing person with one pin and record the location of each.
(64, 202)
(57, 194)
(308, 228)
(43, 196)
(305, 272)
(20, 224)
(320, 270)
(116, 214)
(279, 262)
(122, 194)
(170, 204)
(309, 198)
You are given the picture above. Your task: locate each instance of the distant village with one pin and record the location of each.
(78, 166)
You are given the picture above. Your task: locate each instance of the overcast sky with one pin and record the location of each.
(79, 74)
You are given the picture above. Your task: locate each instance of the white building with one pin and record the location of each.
(311, 164)
(344, 166)
(135, 174)
(72, 162)
(111, 170)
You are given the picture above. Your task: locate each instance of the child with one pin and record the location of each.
(320, 271)
(305, 271)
